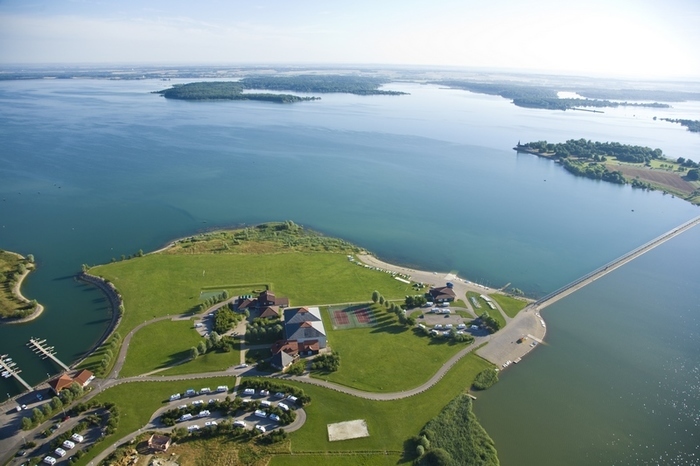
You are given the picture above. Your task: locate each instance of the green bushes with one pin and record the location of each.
(329, 362)
(455, 438)
(485, 379)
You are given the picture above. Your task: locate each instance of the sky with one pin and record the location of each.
(626, 38)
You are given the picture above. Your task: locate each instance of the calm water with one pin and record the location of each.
(91, 170)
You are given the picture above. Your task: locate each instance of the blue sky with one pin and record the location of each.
(638, 38)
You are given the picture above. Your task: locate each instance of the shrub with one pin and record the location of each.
(485, 379)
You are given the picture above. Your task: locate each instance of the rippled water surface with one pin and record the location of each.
(93, 170)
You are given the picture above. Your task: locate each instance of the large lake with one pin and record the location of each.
(93, 170)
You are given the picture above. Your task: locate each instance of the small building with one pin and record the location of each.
(443, 294)
(83, 378)
(282, 360)
(159, 442)
(270, 312)
(262, 302)
(58, 384)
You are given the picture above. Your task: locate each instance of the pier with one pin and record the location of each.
(11, 367)
(39, 347)
(610, 266)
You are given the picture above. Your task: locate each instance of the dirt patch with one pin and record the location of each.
(347, 430)
(659, 177)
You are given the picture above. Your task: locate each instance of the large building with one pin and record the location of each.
(304, 324)
(304, 335)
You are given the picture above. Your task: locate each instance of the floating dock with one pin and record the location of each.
(39, 347)
(11, 367)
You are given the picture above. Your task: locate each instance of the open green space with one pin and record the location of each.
(165, 343)
(511, 306)
(390, 423)
(485, 308)
(387, 357)
(162, 284)
(360, 459)
(158, 345)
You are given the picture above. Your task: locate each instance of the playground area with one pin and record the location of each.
(351, 316)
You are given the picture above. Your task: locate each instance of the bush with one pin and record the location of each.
(329, 362)
(485, 379)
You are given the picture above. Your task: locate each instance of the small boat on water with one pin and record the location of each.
(6, 374)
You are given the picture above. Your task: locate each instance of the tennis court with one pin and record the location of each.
(351, 316)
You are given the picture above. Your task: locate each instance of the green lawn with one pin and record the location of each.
(485, 308)
(387, 357)
(390, 423)
(163, 284)
(511, 306)
(210, 362)
(351, 459)
(158, 345)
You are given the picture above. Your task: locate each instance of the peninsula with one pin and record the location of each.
(14, 307)
(532, 96)
(639, 166)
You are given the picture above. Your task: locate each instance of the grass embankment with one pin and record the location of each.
(378, 358)
(495, 313)
(457, 439)
(12, 267)
(511, 306)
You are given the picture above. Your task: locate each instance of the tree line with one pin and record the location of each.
(358, 85)
(538, 96)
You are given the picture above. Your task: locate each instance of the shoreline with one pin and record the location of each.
(16, 291)
(509, 344)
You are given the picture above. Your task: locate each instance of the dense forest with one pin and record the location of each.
(538, 96)
(359, 85)
(224, 91)
(692, 125)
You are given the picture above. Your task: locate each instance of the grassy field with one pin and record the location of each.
(159, 345)
(165, 343)
(485, 308)
(350, 459)
(378, 358)
(390, 423)
(162, 284)
(511, 306)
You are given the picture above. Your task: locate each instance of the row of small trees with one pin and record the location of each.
(108, 349)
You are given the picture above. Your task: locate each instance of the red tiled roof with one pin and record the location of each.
(82, 377)
(60, 383)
